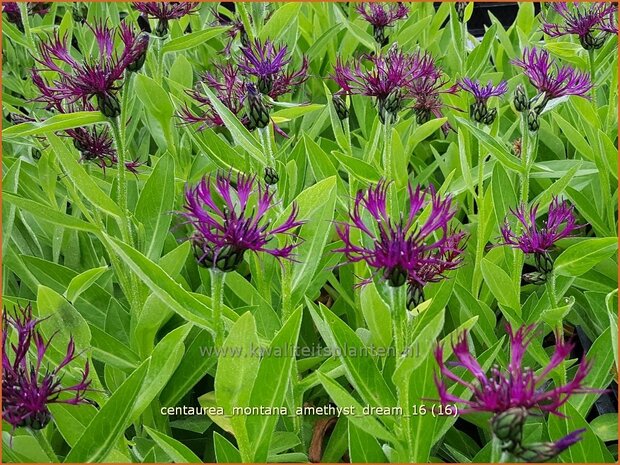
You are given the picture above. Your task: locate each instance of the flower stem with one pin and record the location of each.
(551, 289)
(23, 13)
(399, 316)
(265, 139)
(387, 150)
(525, 158)
(481, 218)
(592, 75)
(217, 301)
(121, 169)
(287, 285)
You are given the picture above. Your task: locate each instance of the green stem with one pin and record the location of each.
(525, 158)
(592, 75)
(551, 289)
(265, 139)
(387, 151)
(398, 307)
(287, 284)
(23, 13)
(496, 451)
(39, 435)
(480, 202)
(463, 47)
(347, 133)
(121, 173)
(217, 301)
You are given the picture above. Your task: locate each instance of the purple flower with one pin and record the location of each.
(164, 12)
(478, 110)
(229, 88)
(269, 64)
(391, 79)
(483, 92)
(235, 28)
(519, 386)
(583, 20)
(382, 15)
(96, 76)
(27, 387)
(228, 219)
(447, 257)
(399, 250)
(537, 240)
(13, 15)
(549, 78)
(96, 145)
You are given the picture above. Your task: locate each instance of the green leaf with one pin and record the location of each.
(279, 21)
(240, 134)
(194, 39)
(83, 281)
(606, 427)
(343, 399)
(424, 131)
(176, 450)
(165, 358)
(108, 426)
(158, 105)
(155, 206)
(80, 178)
(363, 447)
(361, 370)
(500, 284)
(46, 213)
(316, 207)
(54, 124)
(10, 182)
(72, 420)
(377, 315)
(581, 257)
(273, 377)
(169, 291)
(225, 451)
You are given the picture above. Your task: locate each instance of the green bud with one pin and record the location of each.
(532, 121)
(257, 111)
(396, 277)
(520, 99)
(389, 107)
(36, 153)
(109, 105)
(508, 427)
(460, 10)
(271, 176)
(589, 42)
(478, 111)
(535, 277)
(544, 262)
(422, 115)
(228, 258)
(537, 452)
(138, 63)
(161, 30)
(379, 35)
(341, 107)
(415, 296)
(265, 84)
(489, 117)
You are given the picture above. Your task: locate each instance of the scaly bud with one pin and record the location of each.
(415, 296)
(109, 105)
(543, 451)
(389, 107)
(422, 115)
(271, 176)
(341, 107)
(508, 427)
(161, 30)
(396, 277)
(589, 42)
(532, 121)
(257, 111)
(136, 65)
(379, 35)
(520, 99)
(478, 111)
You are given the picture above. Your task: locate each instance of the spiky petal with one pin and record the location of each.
(399, 249)
(27, 387)
(584, 20)
(227, 216)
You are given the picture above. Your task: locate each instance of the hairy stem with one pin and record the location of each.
(287, 284)
(592, 75)
(217, 301)
(398, 307)
(481, 218)
(265, 139)
(387, 151)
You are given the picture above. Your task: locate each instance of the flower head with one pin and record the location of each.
(390, 79)
(96, 76)
(229, 88)
(96, 145)
(27, 387)
(228, 219)
(400, 249)
(517, 387)
(583, 20)
(269, 65)
(13, 15)
(382, 15)
(479, 110)
(549, 78)
(164, 12)
(537, 240)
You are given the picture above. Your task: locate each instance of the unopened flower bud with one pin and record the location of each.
(415, 296)
(161, 30)
(535, 277)
(143, 24)
(379, 35)
(257, 111)
(143, 45)
(460, 10)
(590, 42)
(490, 116)
(520, 99)
(271, 176)
(508, 427)
(478, 111)
(341, 107)
(109, 105)
(265, 84)
(228, 258)
(422, 115)
(532, 121)
(396, 277)
(543, 451)
(544, 262)
(389, 107)
(36, 153)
